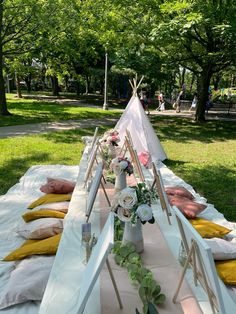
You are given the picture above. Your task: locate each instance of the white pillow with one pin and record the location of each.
(40, 228)
(59, 206)
(27, 281)
(222, 249)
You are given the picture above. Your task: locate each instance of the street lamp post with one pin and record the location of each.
(105, 105)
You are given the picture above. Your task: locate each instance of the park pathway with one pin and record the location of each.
(45, 127)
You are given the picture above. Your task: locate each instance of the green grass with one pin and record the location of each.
(204, 156)
(18, 154)
(27, 111)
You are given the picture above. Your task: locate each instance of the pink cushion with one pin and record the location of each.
(57, 186)
(179, 191)
(145, 158)
(189, 208)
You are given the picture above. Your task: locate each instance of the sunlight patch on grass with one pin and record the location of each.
(27, 111)
(21, 153)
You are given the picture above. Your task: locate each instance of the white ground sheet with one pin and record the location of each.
(69, 257)
(173, 237)
(12, 205)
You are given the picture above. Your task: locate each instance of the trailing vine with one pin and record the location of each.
(149, 290)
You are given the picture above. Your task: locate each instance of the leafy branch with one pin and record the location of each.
(149, 290)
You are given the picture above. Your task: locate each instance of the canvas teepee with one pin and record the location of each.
(135, 120)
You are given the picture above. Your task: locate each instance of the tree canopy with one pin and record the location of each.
(154, 38)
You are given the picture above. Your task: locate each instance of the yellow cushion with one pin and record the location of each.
(209, 229)
(50, 198)
(42, 213)
(35, 247)
(227, 271)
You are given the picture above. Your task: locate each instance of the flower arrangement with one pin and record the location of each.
(134, 202)
(121, 164)
(109, 146)
(110, 137)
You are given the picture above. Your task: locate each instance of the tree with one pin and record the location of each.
(21, 24)
(200, 36)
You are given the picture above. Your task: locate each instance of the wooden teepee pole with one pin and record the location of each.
(135, 85)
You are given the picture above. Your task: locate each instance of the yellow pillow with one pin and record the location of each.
(35, 247)
(42, 213)
(209, 229)
(227, 271)
(50, 198)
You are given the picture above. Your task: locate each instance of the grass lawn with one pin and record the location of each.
(35, 111)
(18, 154)
(203, 155)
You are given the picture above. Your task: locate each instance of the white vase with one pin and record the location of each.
(112, 151)
(120, 182)
(134, 234)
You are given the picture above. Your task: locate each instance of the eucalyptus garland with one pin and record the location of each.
(149, 290)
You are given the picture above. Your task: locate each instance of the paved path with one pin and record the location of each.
(21, 130)
(27, 129)
(211, 115)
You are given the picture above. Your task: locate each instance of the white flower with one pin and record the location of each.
(123, 164)
(124, 214)
(127, 198)
(109, 138)
(144, 212)
(117, 169)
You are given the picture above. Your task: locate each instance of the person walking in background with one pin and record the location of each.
(141, 98)
(161, 102)
(160, 99)
(194, 102)
(144, 101)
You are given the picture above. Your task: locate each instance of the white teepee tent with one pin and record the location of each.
(135, 120)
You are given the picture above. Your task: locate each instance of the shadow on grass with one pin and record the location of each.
(15, 167)
(215, 183)
(73, 136)
(173, 163)
(30, 111)
(69, 137)
(184, 130)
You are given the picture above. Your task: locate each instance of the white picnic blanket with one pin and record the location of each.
(12, 205)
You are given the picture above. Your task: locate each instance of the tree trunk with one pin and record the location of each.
(3, 102)
(55, 86)
(66, 78)
(77, 87)
(88, 80)
(18, 87)
(43, 77)
(181, 77)
(28, 79)
(203, 94)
